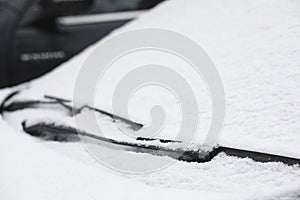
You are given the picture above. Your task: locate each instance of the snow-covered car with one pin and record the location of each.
(255, 46)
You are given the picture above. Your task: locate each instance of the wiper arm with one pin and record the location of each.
(51, 100)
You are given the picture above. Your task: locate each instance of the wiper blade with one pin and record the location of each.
(64, 133)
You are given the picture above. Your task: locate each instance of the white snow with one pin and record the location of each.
(256, 47)
(30, 169)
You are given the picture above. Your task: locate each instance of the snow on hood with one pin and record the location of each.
(32, 170)
(255, 46)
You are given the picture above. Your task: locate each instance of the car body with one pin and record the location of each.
(255, 47)
(37, 36)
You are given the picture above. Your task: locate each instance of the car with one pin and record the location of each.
(255, 49)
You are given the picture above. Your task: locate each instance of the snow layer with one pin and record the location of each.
(256, 47)
(31, 170)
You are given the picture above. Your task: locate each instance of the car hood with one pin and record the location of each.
(255, 45)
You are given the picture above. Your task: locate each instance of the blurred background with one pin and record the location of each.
(38, 35)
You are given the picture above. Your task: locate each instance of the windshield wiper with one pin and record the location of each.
(65, 133)
(55, 101)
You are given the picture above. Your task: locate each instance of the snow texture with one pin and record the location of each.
(255, 46)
